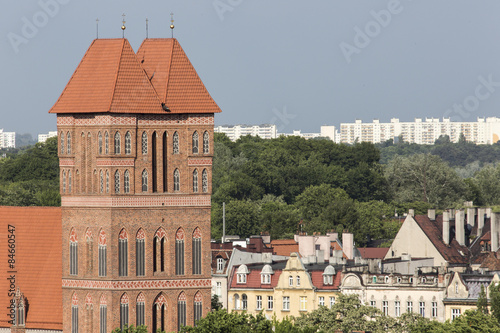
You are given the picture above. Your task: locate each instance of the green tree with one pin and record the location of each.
(132, 329)
(215, 303)
(487, 181)
(482, 301)
(495, 300)
(474, 321)
(315, 199)
(220, 321)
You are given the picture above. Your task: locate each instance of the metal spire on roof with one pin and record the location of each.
(147, 34)
(123, 26)
(97, 27)
(172, 23)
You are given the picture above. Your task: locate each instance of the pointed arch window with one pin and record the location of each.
(117, 182)
(196, 251)
(198, 308)
(179, 252)
(195, 142)
(124, 311)
(204, 181)
(74, 314)
(159, 245)
(144, 143)
(195, 180)
(175, 141)
(61, 136)
(181, 311)
(126, 182)
(118, 140)
(206, 143)
(68, 143)
(144, 180)
(177, 180)
(102, 253)
(99, 142)
(103, 315)
(139, 310)
(64, 181)
(159, 313)
(128, 143)
(69, 181)
(140, 253)
(106, 143)
(73, 253)
(101, 181)
(107, 181)
(123, 253)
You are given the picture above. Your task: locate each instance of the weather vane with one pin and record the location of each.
(172, 23)
(123, 26)
(97, 27)
(147, 34)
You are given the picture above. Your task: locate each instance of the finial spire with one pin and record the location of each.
(123, 25)
(97, 28)
(147, 28)
(172, 26)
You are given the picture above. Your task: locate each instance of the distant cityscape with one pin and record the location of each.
(419, 131)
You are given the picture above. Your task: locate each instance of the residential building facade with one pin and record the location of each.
(265, 131)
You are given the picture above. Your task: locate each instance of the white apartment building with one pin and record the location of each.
(7, 139)
(326, 132)
(483, 131)
(44, 137)
(265, 131)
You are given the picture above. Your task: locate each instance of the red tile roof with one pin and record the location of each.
(317, 280)
(283, 247)
(254, 279)
(38, 266)
(111, 78)
(373, 252)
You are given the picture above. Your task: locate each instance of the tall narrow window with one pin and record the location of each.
(144, 180)
(286, 303)
(140, 253)
(90, 251)
(197, 251)
(195, 180)
(181, 311)
(117, 142)
(409, 306)
(68, 143)
(206, 145)
(270, 302)
(128, 143)
(397, 308)
(165, 162)
(126, 182)
(102, 254)
(123, 253)
(434, 311)
(103, 315)
(107, 181)
(69, 181)
(198, 299)
(259, 302)
(175, 145)
(195, 142)
(117, 182)
(385, 307)
(62, 142)
(73, 253)
(99, 142)
(106, 143)
(154, 171)
(74, 314)
(64, 181)
(421, 308)
(101, 181)
(204, 181)
(179, 252)
(159, 312)
(159, 247)
(144, 143)
(124, 311)
(139, 310)
(244, 301)
(177, 180)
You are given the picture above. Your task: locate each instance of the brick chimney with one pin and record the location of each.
(460, 226)
(480, 220)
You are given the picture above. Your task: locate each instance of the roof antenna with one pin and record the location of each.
(147, 33)
(172, 23)
(123, 26)
(97, 27)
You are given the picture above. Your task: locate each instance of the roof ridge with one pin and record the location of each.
(119, 62)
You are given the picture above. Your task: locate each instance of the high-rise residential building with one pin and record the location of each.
(44, 137)
(483, 131)
(7, 139)
(135, 151)
(266, 131)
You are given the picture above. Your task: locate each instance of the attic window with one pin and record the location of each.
(220, 264)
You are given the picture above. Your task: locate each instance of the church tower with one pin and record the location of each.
(135, 151)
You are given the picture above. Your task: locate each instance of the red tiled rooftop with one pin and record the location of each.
(283, 247)
(317, 280)
(254, 280)
(38, 264)
(373, 252)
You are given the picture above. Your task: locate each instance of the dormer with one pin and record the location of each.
(328, 274)
(241, 274)
(265, 274)
(220, 264)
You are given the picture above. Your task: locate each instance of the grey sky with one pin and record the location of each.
(273, 61)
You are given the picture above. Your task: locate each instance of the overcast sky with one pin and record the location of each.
(298, 64)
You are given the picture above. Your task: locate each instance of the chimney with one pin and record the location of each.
(471, 213)
(480, 220)
(411, 212)
(494, 219)
(446, 227)
(488, 212)
(431, 213)
(460, 227)
(348, 244)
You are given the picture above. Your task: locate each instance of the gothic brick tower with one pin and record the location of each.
(135, 151)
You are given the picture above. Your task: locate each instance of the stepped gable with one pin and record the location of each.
(109, 79)
(174, 77)
(37, 267)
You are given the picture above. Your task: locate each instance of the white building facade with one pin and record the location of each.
(44, 137)
(266, 131)
(7, 139)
